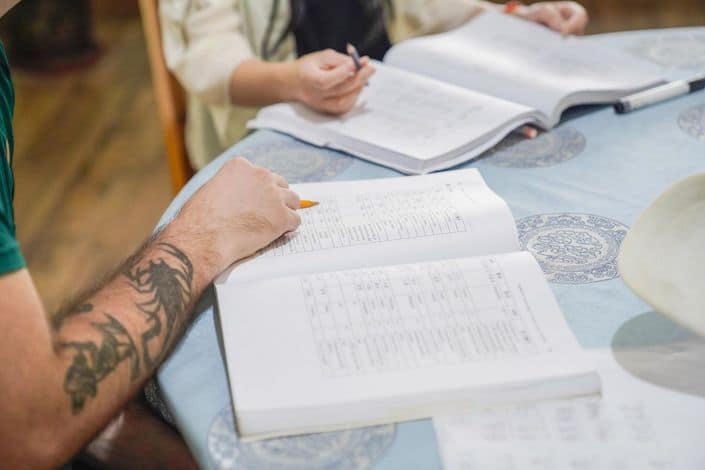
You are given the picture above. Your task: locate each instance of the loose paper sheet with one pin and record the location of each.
(634, 426)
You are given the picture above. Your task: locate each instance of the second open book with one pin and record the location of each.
(441, 100)
(396, 299)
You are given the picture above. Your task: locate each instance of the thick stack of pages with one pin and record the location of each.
(396, 299)
(441, 100)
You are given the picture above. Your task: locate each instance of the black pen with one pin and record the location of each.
(660, 93)
(352, 52)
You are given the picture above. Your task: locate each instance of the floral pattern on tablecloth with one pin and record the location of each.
(573, 248)
(296, 161)
(672, 50)
(692, 121)
(548, 149)
(344, 450)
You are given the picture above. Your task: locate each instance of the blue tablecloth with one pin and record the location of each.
(574, 192)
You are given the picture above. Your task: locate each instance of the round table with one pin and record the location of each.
(574, 192)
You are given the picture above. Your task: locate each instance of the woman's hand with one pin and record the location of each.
(327, 80)
(563, 17)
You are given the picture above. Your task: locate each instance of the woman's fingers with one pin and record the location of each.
(330, 78)
(575, 17)
(549, 15)
(565, 17)
(334, 69)
(330, 59)
(355, 82)
(338, 75)
(330, 82)
(343, 103)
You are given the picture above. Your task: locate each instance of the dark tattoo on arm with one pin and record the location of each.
(93, 363)
(168, 287)
(163, 288)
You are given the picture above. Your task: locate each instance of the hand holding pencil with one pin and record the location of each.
(240, 210)
(329, 81)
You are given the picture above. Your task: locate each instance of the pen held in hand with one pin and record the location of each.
(305, 204)
(354, 55)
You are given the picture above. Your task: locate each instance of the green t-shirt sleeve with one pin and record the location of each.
(10, 255)
(11, 258)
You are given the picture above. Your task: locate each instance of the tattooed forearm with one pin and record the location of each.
(93, 363)
(162, 286)
(167, 285)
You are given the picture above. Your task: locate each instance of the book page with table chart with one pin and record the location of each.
(387, 221)
(402, 112)
(394, 338)
(411, 316)
(523, 62)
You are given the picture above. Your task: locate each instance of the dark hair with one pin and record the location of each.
(298, 11)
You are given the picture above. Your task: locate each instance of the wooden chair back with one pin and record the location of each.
(170, 98)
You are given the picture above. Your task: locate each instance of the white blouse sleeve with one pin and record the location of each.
(435, 16)
(203, 43)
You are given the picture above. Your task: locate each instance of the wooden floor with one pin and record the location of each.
(90, 171)
(91, 178)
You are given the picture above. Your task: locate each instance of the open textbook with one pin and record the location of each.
(396, 299)
(441, 100)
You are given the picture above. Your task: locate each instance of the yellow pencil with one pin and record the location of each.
(304, 204)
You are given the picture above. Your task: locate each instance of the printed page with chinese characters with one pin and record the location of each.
(340, 349)
(369, 223)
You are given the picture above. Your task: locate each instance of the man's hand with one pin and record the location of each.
(241, 209)
(327, 81)
(563, 17)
